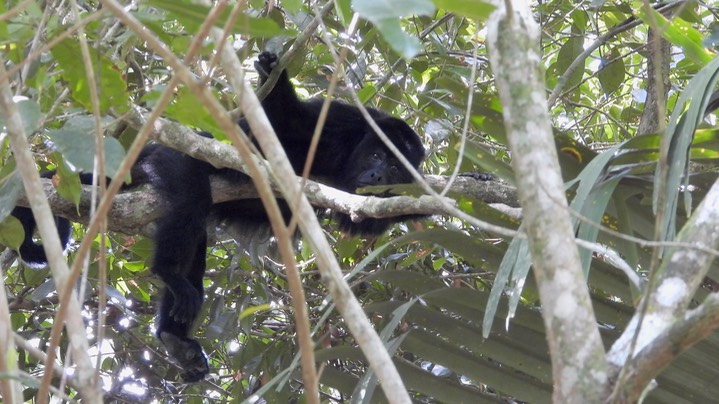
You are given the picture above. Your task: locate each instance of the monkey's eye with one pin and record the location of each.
(393, 169)
(376, 156)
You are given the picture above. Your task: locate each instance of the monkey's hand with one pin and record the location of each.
(266, 61)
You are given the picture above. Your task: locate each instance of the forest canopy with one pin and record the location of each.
(563, 229)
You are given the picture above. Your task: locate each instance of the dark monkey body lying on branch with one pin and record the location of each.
(350, 155)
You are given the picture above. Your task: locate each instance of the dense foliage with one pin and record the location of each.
(425, 285)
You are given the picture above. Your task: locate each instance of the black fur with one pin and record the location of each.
(350, 155)
(32, 253)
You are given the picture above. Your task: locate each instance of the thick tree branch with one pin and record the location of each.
(134, 211)
(676, 282)
(694, 326)
(131, 213)
(578, 364)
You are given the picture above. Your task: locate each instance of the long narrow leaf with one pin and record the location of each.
(684, 120)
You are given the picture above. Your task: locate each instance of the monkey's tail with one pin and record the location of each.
(31, 252)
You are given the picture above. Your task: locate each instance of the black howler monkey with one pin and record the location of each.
(350, 155)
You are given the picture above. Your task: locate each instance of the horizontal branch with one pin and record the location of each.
(131, 213)
(134, 211)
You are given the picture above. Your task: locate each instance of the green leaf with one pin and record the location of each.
(591, 199)
(293, 6)
(189, 111)
(611, 76)
(478, 252)
(4, 36)
(112, 89)
(366, 93)
(593, 211)
(567, 54)
(374, 10)
(343, 9)
(68, 185)
(477, 10)
(515, 264)
(10, 187)
(629, 251)
(11, 233)
(688, 113)
(402, 43)
(78, 150)
(579, 21)
(30, 114)
(193, 15)
(368, 382)
(681, 34)
(385, 16)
